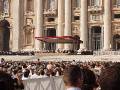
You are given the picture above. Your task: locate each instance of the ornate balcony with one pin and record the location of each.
(116, 20)
(50, 12)
(116, 28)
(29, 13)
(95, 9)
(50, 23)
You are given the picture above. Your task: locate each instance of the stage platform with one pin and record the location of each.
(18, 58)
(82, 58)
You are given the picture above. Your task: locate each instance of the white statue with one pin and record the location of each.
(52, 4)
(6, 6)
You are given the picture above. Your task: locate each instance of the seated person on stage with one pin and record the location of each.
(110, 78)
(73, 78)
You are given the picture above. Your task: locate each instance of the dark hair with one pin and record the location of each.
(89, 81)
(71, 75)
(110, 78)
(42, 72)
(26, 73)
(6, 82)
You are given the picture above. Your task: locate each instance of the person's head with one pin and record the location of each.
(110, 78)
(2, 60)
(42, 72)
(6, 82)
(89, 81)
(26, 73)
(73, 76)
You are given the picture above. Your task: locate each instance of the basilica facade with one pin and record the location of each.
(96, 22)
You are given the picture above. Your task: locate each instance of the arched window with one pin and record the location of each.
(28, 33)
(30, 6)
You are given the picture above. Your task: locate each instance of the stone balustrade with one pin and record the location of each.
(50, 11)
(106, 52)
(95, 8)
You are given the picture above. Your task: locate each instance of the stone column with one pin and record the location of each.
(90, 39)
(67, 31)
(107, 24)
(39, 23)
(60, 28)
(17, 14)
(84, 24)
(25, 6)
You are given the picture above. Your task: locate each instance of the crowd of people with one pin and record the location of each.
(76, 75)
(17, 53)
(69, 52)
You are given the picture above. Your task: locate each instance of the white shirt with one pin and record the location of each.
(24, 78)
(73, 88)
(43, 76)
(34, 76)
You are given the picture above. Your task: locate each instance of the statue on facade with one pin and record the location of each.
(52, 4)
(5, 6)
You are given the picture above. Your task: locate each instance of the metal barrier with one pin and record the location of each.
(106, 52)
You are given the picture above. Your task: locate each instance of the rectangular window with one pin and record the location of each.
(117, 16)
(51, 19)
(76, 18)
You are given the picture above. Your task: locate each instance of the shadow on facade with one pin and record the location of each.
(4, 35)
(116, 42)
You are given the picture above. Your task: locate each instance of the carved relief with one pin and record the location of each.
(29, 21)
(75, 30)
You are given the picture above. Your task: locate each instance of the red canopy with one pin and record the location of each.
(59, 39)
